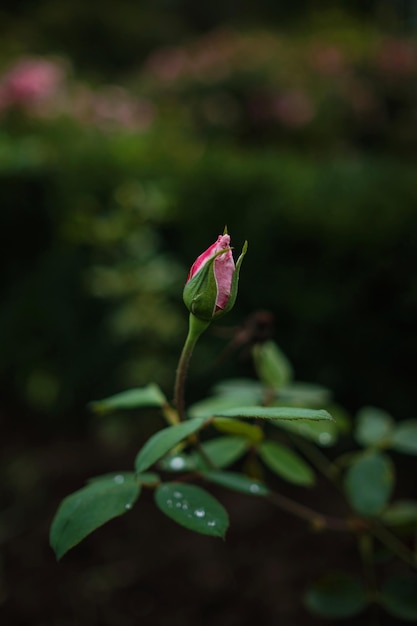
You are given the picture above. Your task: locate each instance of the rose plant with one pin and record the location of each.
(269, 421)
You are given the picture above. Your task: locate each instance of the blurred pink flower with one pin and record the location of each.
(167, 64)
(30, 82)
(115, 106)
(397, 58)
(328, 60)
(294, 108)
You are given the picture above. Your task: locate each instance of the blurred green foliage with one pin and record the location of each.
(81, 229)
(302, 144)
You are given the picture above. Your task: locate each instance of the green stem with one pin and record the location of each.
(319, 521)
(316, 457)
(196, 327)
(366, 551)
(396, 546)
(386, 537)
(379, 531)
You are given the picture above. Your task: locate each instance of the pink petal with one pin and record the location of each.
(224, 268)
(223, 242)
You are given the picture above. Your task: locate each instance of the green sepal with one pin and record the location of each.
(200, 293)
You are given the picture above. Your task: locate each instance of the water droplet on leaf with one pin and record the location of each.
(325, 439)
(199, 512)
(119, 479)
(177, 463)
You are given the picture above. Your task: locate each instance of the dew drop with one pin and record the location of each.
(254, 488)
(119, 479)
(211, 523)
(128, 506)
(169, 502)
(177, 463)
(325, 439)
(177, 494)
(199, 512)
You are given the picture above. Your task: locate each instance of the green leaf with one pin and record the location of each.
(236, 427)
(237, 482)
(399, 597)
(245, 388)
(286, 463)
(374, 427)
(91, 507)
(322, 433)
(405, 437)
(118, 477)
(177, 462)
(163, 441)
(400, 513)
(222, 451)
(341, 417)
(149, 479)
(276, 413)
(272, 366)
(211, 406)
(193, 508)
(150, 395)
(369, 482)
(304, 395)
(295, 394)
(336, 595)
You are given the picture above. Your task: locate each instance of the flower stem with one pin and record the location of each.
(196, 327)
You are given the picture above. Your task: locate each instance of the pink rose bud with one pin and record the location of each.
(211, 287)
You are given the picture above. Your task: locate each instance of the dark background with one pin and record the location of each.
(296, 126)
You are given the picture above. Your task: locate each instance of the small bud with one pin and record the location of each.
(211, 287)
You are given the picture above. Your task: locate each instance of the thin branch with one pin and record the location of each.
(396, 546)
(319, 521)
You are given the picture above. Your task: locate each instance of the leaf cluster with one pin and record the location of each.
(241, 436)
